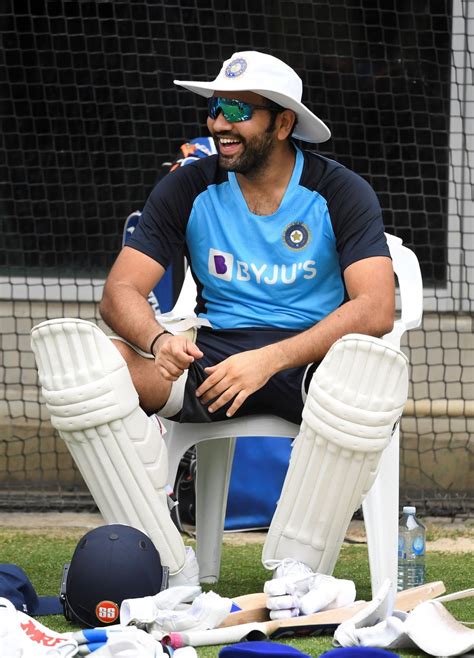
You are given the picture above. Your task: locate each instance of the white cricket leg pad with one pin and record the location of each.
(355, 399)
(118, 449)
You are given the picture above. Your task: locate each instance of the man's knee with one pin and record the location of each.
(153, 390)
(126, 350)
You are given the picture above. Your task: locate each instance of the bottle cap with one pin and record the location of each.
(408, 509)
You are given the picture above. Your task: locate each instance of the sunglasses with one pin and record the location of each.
(235, 110)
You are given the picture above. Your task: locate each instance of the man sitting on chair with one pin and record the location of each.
(288, 252)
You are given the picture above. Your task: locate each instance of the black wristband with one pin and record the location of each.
(156, 338)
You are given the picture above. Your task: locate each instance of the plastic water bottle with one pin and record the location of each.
(411, 550)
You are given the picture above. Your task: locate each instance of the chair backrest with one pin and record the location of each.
(410, 285)
(186, 301)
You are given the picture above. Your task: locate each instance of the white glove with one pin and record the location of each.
(166, 612)
(376, 625)
(144, 610)
(295, 590)
(207, 611)
(386, 634)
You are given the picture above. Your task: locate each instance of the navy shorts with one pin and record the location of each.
(281, 395)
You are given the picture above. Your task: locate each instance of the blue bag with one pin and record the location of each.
(258, 472)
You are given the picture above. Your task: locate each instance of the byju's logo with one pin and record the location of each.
(220, 264)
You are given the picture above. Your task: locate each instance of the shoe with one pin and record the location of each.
(288, 567)
(189, 574)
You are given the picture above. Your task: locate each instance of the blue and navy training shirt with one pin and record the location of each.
(282, 270)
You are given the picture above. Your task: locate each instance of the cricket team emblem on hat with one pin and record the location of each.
(235, 68)
(296, 235)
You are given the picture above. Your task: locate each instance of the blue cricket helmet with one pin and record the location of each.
(110, 563)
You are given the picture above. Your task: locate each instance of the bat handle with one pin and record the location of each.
(463, 594)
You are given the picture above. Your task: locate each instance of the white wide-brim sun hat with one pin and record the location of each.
(270, 77)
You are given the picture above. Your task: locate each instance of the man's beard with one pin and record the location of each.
(256, 153)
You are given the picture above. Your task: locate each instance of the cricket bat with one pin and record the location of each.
(247, 608)
(455, 596)
(253, 608)
(319, 623)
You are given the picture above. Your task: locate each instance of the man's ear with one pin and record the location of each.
(285, 123)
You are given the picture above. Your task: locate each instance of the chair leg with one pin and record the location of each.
(214, 465)
(380, 509)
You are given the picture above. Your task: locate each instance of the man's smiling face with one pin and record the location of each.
(245, 146)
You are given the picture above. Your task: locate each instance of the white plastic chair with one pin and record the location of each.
(215, 443)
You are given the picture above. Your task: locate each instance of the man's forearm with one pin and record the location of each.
(311, 346)
(130, 315)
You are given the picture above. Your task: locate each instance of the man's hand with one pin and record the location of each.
(174, 355)
(235, 379)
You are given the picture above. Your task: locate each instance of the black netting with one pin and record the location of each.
(89, 114)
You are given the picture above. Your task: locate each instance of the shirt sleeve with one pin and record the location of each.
(161, 231)
(356, 217)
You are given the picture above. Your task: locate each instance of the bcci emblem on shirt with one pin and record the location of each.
(296, 235)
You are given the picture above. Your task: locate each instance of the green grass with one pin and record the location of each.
(42, 555)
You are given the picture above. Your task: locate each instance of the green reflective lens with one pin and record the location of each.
(235, 110)
(232, 109)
